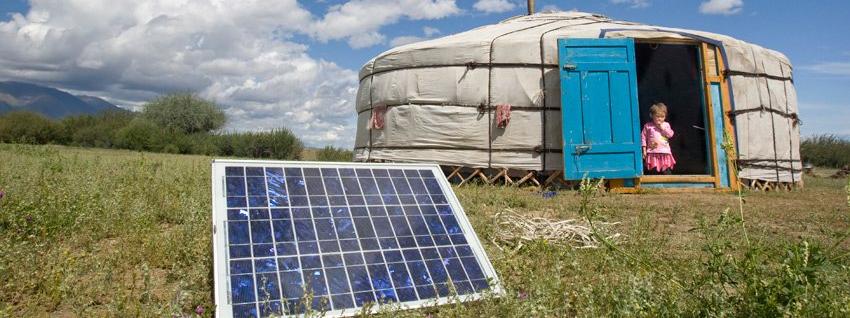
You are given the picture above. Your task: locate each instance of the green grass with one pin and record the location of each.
(117, 233)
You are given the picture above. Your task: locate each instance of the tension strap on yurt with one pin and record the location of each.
(727, 73)
(535, 149)
(793, 116)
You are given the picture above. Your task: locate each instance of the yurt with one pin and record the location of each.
(564, 95)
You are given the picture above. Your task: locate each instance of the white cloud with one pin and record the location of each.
(829, 68)
(359, 21)
(494, 6)
(724, 7)
(633, 3)
(238, 54)
(551, 8)
(430, 31)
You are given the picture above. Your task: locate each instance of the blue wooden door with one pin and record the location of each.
(599, 109)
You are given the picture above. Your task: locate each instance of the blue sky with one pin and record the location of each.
(131, 55)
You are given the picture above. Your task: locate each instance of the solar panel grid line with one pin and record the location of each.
(347, 278)
(388, 221)
(407, 268)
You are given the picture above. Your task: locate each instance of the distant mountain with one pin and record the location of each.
(48, 101)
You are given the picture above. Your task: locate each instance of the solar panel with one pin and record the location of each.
(292, 237)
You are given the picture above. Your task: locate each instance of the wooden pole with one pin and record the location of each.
(530, 7)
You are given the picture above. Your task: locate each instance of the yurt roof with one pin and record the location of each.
(520, 40)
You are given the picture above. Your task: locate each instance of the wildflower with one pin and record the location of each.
(2, 194)
(522, 295)
(199, 310)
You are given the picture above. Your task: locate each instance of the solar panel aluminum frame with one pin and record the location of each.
(221, 257)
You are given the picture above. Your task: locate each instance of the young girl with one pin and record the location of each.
(653, 138)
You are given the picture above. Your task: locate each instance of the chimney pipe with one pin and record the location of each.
(530, 7)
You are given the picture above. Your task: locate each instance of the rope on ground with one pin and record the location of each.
(515, 230)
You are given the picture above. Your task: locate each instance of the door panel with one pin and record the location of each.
(599, 108)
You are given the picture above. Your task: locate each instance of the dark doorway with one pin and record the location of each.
(670, 73)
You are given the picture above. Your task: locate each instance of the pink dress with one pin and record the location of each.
(659, 157)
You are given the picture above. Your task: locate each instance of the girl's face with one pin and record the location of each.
(658, 119)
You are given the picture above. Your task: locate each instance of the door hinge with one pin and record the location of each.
(569, 67)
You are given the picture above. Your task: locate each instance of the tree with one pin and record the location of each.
(184, 113)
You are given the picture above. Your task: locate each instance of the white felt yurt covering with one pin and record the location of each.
(440, 96)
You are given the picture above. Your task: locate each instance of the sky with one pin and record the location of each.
(294, 64)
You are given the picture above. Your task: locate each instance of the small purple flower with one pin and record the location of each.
(199, 310)
(2, 194)
(522, 295)
(29, 218)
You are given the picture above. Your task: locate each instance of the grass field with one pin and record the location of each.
(117, 233)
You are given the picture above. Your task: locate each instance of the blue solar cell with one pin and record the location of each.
(295, 185)
(312, 172)
(345, 228)
(406, 294)
(241, 267)
(350, 186)
(298, 200)
(350, 236)
(311, 262)
(261, 232)
(393, 256)
(268, 286)
(245, 310)
(240, 251)
(339, 212)
(283, 249)
(288, 264)
(235, 186)
(398, 272)
(332, 260)
(263, 250)
(432, 185)
(333, 186)
(359, 278)
(292, 284)
(242, 288)
(349, 245)
(346, 172)
(237, 202)
(336, 200)
(238, 232)
(271, 308)
(368, 186)
(337, 280)
(362, 298)
(342, 301)
(426, 292)
(316, 281)
(234, 171)
(329, 246)
(385, 185)
(329, 172)
(258, 201)
(237, 214)
(420, 273)
(380, 173)
(265, 265)
(308, 247)
(279, 201)
(254, 171)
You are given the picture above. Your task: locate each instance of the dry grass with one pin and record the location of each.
(89, 233)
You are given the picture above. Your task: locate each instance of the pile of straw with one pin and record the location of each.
(516, 229)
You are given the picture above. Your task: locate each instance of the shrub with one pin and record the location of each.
(95, 130)
(185, 113)
(826, 151)
(330, 153)
(28, 128)
(275, 144)
(140, 135)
